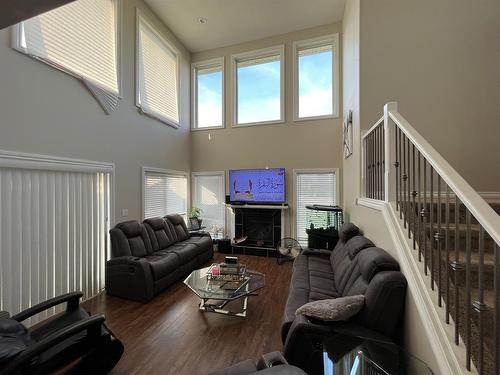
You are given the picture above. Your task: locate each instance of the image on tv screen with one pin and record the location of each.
(257, 185)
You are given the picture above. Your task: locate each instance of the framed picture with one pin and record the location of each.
(194, 223)
(347, 135)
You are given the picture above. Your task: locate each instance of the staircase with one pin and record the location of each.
(454, 232)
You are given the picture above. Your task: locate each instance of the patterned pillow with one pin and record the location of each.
(336, 309)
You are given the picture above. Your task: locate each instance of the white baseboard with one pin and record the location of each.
(450, 357)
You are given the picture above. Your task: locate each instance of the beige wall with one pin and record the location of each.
(440, 60)
(46, 111)
(304, 144)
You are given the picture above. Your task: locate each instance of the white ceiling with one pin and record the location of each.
(236, 21)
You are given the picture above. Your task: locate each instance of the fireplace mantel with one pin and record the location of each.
(260, 206)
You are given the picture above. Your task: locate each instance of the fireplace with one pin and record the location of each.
(261, 228)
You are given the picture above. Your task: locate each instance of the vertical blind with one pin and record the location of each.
(80, 38)
(209, 195)
(312, 188)
(157, 75)
(53, 235)
(164, 194)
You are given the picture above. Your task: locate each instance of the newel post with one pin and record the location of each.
(390, 152)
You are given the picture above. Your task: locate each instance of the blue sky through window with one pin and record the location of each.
(315, 84)
(209, 111)
(259, 92)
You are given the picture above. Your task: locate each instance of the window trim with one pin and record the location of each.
(297, 45)
(140, 17)
(194, 91)
(275, 50)
(223, 188)
(16, 42)
(167, 172)
(338, 200)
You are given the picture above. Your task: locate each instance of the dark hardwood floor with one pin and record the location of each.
(170, 335)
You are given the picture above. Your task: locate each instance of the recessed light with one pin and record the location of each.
(202, 20)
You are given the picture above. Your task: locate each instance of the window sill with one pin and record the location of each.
(273, 122)
(208, 128)
(315, 118)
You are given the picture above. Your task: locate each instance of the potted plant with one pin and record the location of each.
(194, 215)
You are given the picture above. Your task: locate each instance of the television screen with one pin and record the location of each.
(257, 185)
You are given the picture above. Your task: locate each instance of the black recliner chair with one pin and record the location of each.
(73, 341)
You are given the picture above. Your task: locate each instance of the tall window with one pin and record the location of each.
(80, 39)
(259, 81)
(157, 74)
(208, 94)
(165, 192)
(209, 195)
(312, 187)
(315, 81)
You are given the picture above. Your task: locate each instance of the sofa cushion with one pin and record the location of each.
(334, 309)
(130, 238)
(201, 241)
(347, 231)
(374, 260)
(179, 226)
(163, 264)
(14, 339)
(185, 251)
(160, 232)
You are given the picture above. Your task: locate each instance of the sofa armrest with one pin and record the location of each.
(271, 359)
(129, 277)
(199, 234)
(71, 299)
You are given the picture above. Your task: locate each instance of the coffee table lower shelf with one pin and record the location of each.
(218, 308)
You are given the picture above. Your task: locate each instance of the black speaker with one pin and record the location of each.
(228, 199)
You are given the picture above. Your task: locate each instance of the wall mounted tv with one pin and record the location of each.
(265, 186)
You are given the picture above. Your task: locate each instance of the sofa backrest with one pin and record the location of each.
(130, 239)
(180, 229)
(161, 233)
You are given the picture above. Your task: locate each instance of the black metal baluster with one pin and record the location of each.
(382, 178)
(431, 222)
(409, 190)
(369, 153)
(405, 177)
(468, 315)
(396, 165)
(419, 209)
(400, 178)
(457, 267)
(447, 247)
(438, 238)
(378, 161)
(424, 214)
(372, 136)
(414, 214)
(479, 305)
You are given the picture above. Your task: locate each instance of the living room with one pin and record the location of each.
(164, 174)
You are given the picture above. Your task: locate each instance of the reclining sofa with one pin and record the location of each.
(354, 267)
(147, 257)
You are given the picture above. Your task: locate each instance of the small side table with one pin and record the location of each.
(348, 355)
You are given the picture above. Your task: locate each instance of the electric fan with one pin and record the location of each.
(287, 249)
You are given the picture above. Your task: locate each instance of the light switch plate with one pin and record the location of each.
(125, 212)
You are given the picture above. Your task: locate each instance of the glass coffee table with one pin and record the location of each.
(216, 294)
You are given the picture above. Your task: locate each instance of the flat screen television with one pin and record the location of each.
(265, 186)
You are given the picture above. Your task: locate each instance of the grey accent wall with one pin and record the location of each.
(43, 110)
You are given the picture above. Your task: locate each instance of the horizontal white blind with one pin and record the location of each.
(53, 235)
(311, 50)
(243, 63)
(209, 196)
(79, 37)
(312, 188)
(157, 75)
(164, 194)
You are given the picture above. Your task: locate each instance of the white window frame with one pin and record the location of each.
(141, 18)
(297, 45)
(16, 41)
(223, 189)
(167, 172)
(194, 91)
(335, 171)
(270, 51)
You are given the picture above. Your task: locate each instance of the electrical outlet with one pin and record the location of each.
(124, 212)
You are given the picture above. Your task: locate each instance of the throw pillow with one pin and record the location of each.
(336, 309)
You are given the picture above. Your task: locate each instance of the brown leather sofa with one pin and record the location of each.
(147, 257)
(354, 267)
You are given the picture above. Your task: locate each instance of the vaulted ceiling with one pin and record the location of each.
(208, 24)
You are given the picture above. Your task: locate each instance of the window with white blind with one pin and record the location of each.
(209, 195)
(55, 219)
(312, 187)
(208, 94)
(315, 78)
(157, 70)
(79, 38)
(258, 78)
(165, 192)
